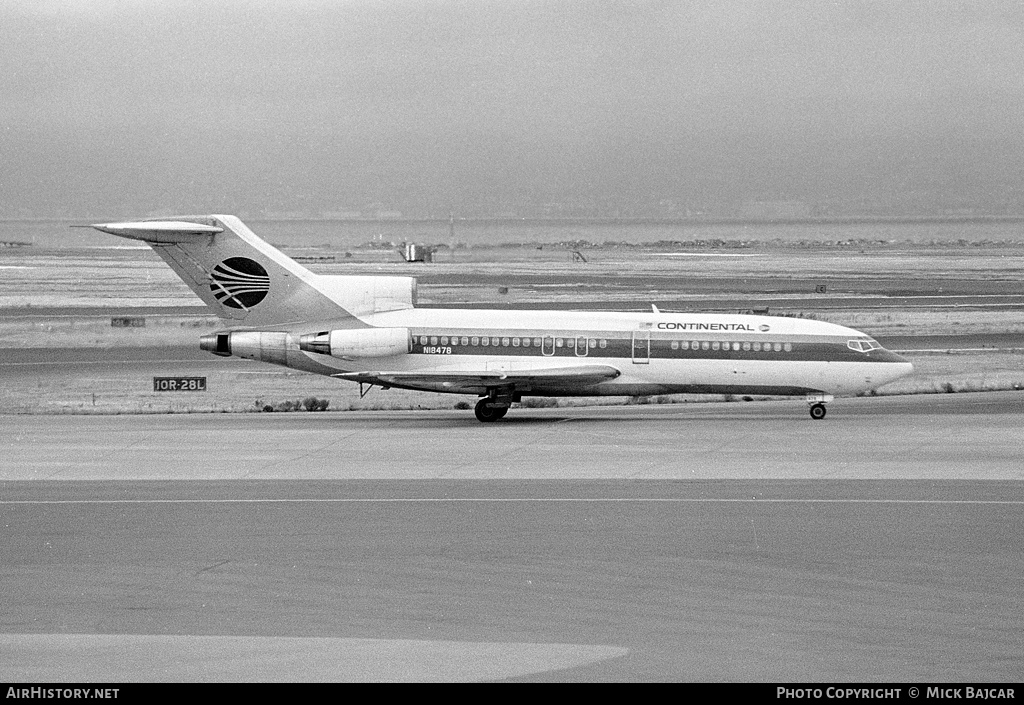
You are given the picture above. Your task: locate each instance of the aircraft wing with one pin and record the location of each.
(479, 381)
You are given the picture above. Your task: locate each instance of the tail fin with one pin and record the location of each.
(245, 280)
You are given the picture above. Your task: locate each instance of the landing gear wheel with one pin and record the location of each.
(487, 413)
(817, 411)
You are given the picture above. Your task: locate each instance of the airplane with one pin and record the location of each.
(367, 329)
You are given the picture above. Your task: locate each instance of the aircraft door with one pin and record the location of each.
(641, 347)
(581, 346)
(548, 345)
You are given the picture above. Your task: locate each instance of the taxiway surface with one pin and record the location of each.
(941, 436)
(685, 542)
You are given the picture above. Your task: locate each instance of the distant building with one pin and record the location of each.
(416, 253)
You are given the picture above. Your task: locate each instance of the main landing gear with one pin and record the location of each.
(817, 403)
(489, 410)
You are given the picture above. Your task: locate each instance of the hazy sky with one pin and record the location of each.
(126, 107)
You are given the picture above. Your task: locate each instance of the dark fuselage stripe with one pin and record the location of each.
(659, 349)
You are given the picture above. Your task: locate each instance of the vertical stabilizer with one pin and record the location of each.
(235, 273)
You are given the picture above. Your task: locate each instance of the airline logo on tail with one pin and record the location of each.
(239, 282)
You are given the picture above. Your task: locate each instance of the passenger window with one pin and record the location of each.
(705, 345)
(778, 347)
(684, 345)
(788, 347)
(515, 342)
(593, 343)
(603, 343)
(433, 340)
(746, 346)
(444, 340)
(485, 342)
(675, 344)
(504, 342)
(714, 345)
(559, 342)
(476, 340)
(465, 340)
(494, 342)
(536, 342)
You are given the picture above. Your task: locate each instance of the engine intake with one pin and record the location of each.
(216, 343)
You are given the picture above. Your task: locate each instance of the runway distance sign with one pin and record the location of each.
(179, 384)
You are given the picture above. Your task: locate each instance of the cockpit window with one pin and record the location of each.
(863, 345)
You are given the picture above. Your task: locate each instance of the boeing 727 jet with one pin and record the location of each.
(367, 329)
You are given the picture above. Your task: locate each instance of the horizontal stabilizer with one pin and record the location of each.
(479, 381)
(157, 231)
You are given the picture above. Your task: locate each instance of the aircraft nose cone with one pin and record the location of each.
(905, 365)
(900, 368)
(895, 366)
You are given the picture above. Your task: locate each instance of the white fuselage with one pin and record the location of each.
(656, 353)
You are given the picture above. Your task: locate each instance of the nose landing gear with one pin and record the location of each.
(817, 403)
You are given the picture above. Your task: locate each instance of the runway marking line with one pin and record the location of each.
(31, 658)
(512, 500)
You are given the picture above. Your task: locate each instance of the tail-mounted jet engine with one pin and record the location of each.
(362, 342)
(251, 345)
(273, 346)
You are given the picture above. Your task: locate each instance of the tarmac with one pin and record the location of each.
(731, 541)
